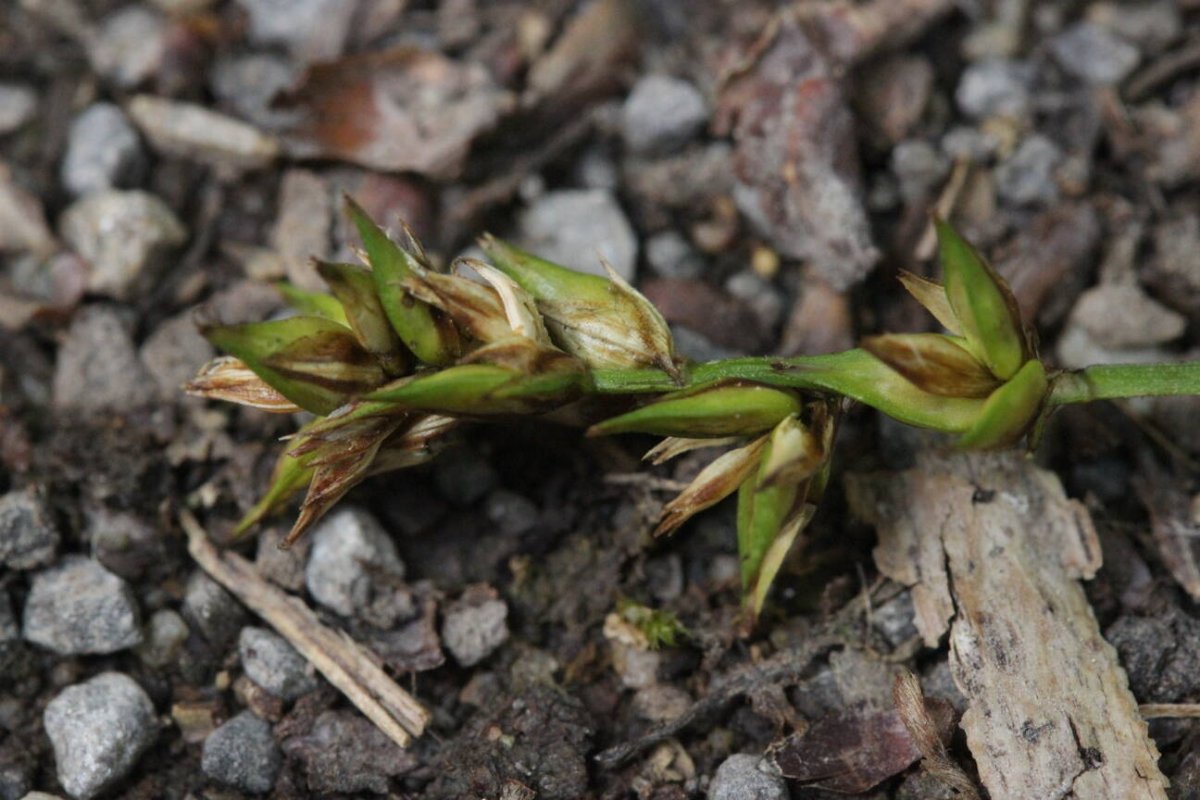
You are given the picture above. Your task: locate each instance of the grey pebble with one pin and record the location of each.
(79, 607)
(164, 637)
(28, 534)
(98, 369)
(672, 256)
(475, 625)
(349, 548)
(214, 611)
(99, 729)
(310, 29)
(511, 513)
(247, 85)
(274, 664)
(174, 352)
(739, 778)
(1093, 54)
(103, 151)
(197, 133)
(129, 46)
(995, 87)
(662, 113)
(578, 227)
(919, 167)
(463, 476)
(762, 296)
(243, 753)
(18, 103)
(1027, 176)
(122, 234)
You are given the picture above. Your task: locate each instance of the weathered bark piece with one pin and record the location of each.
(992, 546)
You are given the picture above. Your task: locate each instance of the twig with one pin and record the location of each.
(1169, 710)
(343, 662)
(1165, 69)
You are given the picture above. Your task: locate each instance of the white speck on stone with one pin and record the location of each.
(78, 607)
(347, 547)
(121, 234)
(576, 228)
(99, 729)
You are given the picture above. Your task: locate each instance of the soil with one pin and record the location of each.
(765, 196)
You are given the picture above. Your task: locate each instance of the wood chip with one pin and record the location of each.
(343, 662)
(993, 550)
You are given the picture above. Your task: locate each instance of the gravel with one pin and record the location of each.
(1093, 54)
(311, 29)
(199, 134)
(576, 228)
(475, 625)
(174, 352)
(103, 151)
(28, 534)
(243, 754)
(122, 234)
(214, 611)
(920, 168)
(739, 778)
(464, 477)
(1027, 177)
(662, 113)
(78, 607)
(274, 664)
(670, 255)
(18, 104)
(98, 369)
(345, 753)
(350, 553)
(129, 46)
(1122, 316)
(163, 640)
(99, 729)
(995, 87)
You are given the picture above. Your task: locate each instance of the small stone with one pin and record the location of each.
(129, 46)
(1093, 54)
(1150, 25)
(661, 702)
(163, 640)
(311, 29)
(739, 778)
(662, 113)
(995, 87)
(760, 295)
(637, 667)
(22, 219)
(247, 85)
(670, 255)
(1122, 316)
(98, 370)
(1027, 177)
(122, 234)
(99, 729)
(28, 535)
(173, 353)
(969, 144)
(892, 96)
(214, 611)
(274, 664)
(79, 607)
(351, 553)
(284, 567)
(464, 477)
(196, 133)
(124, 543)
(576, 228)
(103, 151)
(475, 625)
(511, 513)
(18, 103)
(243, 754)
(346, 754)
(920, 167)
(1160, 654)
(302, 226)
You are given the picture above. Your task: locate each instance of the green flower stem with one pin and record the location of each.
(853, 373)
(859, 375)
(1117, 381)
